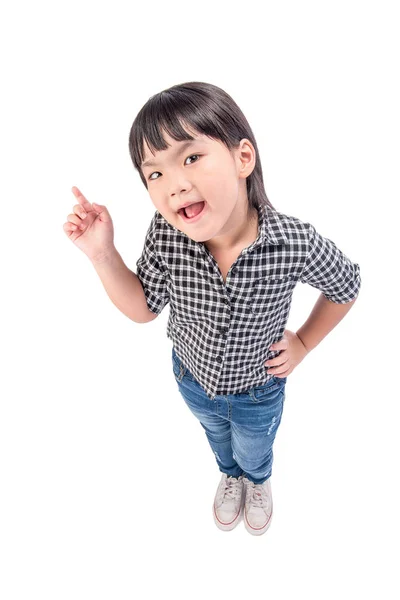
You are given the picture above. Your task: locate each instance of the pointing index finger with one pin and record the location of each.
(80, 197)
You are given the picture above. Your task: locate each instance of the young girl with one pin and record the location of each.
(227, 262)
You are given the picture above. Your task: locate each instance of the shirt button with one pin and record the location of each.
(219, 359)
(226, 301)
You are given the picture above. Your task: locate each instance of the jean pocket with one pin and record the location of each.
(179, 369)
(270, 391)
(177, 366)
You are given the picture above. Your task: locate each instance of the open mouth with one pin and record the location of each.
(193, 212)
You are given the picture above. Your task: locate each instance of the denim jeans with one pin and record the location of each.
(240, 428)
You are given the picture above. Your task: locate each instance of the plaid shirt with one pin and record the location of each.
(222, 331)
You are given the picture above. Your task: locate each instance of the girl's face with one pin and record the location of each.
(200, 170)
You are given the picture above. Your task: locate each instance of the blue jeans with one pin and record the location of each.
(240, 428)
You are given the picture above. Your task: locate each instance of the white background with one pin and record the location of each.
(107, 480)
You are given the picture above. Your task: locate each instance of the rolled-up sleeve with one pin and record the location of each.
(151, 274)
(329, 270)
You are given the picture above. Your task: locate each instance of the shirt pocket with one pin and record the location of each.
(268, 294)
(192, 300)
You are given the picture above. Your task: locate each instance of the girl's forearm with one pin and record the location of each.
(123, 287)
(323, 318)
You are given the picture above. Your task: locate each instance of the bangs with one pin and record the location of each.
(154, 132)
(181, 114)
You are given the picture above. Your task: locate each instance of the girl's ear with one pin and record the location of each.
(247, 157)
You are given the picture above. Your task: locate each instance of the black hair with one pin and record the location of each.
(200, 107)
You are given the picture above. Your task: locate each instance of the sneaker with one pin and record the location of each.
(257, 506)
(228, 502)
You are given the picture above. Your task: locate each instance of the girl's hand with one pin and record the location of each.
(90, 227)
(292, 353)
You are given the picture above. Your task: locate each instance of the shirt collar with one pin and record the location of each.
(270, 226)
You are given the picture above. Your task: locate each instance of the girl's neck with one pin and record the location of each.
(238, 239)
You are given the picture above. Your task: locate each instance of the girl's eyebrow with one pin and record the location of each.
(181, 148)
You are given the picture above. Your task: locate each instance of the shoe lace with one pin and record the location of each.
(257, 495)
(231, 487)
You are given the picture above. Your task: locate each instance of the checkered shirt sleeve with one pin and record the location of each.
(151, 274)
(329, 270)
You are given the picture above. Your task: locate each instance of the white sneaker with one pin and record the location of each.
(258, 506)
(228, 502)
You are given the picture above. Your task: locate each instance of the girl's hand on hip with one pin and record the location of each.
(292, 353)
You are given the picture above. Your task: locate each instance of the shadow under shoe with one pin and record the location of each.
(228, 502)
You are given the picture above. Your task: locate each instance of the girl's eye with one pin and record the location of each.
(190, 156)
